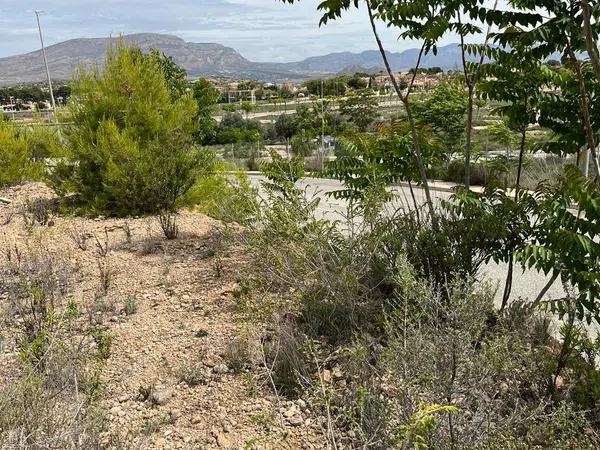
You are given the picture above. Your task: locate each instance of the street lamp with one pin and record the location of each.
(37, 15)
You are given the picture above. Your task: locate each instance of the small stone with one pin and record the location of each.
(210, 361)
(337, 373)
(123, 398)
(295, 421)
(221, 368)
(161, 396)
(222, 441)
(559, 383)
(326, 376)
(503, 388)
(290, 412)
(301, 403)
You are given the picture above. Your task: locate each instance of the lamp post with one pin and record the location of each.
(37, 16)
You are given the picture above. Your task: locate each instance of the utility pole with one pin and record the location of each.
(37, 16)
(322, 127)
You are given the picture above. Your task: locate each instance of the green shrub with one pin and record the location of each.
(15, 156)
(480, 174)
(43, 143)
(131, 148)
(224, 194)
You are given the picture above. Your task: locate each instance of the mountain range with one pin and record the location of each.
(208, 59)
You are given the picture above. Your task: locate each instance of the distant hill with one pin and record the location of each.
(206, 59)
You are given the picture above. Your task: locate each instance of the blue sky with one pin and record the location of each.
(262, 30)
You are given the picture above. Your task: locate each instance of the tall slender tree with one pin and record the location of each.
(515, 79)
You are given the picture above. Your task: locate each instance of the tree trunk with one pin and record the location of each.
(585, 109)
(470, 82)
(520, 166)
(508, 283)
(545, 289)
(414, 199)
(509, 273)
(590, 43)
(471, 93)
(411, 122)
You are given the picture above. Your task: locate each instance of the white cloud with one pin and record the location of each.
(262, 30)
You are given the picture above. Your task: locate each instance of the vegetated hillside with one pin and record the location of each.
(204, 59)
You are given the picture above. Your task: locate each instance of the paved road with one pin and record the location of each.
(525, 285)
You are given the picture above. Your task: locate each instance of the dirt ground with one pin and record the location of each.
(184, 322)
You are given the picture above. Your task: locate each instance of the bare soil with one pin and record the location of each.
(185, 319)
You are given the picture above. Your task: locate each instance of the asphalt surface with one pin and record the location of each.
(526, 285)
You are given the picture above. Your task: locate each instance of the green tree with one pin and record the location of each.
(563, 28)
(175, 75)
(285, 128)
(424, 21)
(303, 144)
(247, 107)
(206, 96)
(327, 88)
(565, 244)
(360, 108)
(372, 160)
(514, 78)
(445, 111)
(357, 82)
(131, 146)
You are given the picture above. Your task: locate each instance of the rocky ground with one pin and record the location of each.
(169, 305)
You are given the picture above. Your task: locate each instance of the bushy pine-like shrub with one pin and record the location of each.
(131, 149)
(43, 142)
(15, 156)
(224, 194)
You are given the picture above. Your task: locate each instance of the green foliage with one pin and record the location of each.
(360, 108)
(502, 222)
(283, 174)
(247, 107)
(564, 241)
(206, 96)
(327, 88)
(422, 424)
(285, 126)
(445, 111)
(380, 159)
(303, 145)
(224, 194)
(560, 110)
(515, 78)
(131, 146)
(15, 156)
(230, 107)
(175, 75)
(234, 129)
(43, 142)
